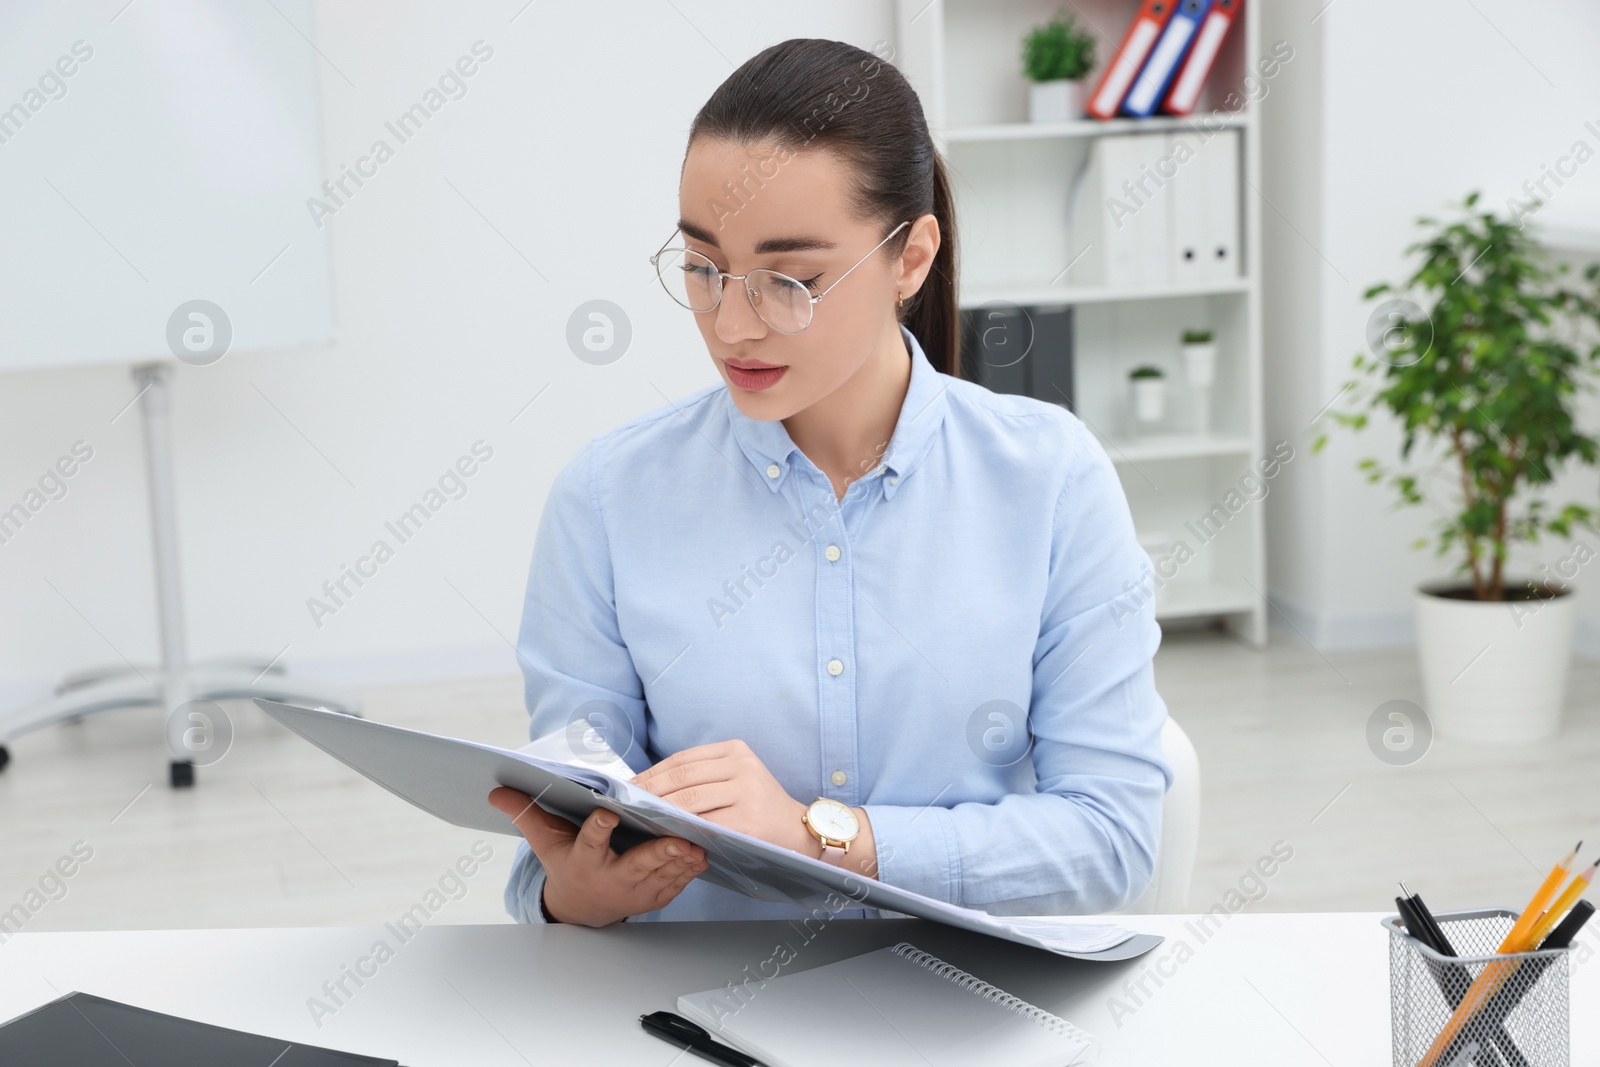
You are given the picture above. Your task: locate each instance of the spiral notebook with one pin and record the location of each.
(895, 1005)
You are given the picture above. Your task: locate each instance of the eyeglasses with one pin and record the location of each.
(779, 300)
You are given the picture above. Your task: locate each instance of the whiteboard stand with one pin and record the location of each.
(176, 683)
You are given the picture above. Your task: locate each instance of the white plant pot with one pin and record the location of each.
(1495, 671)
(1056, 101)
(1149, 398)
(1199, 364)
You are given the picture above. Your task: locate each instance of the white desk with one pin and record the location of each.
(1272, 989)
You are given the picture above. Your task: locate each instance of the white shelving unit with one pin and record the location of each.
(1012, 182)
(1026, 131)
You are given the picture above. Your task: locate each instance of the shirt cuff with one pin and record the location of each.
(524, 892)
(917, 850)
(538, 894)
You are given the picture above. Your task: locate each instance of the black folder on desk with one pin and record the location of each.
(83, 1030)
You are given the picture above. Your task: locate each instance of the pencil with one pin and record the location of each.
(1568, 898)
(1523, 936)
(1541, 899)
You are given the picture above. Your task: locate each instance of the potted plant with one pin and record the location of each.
(1056, 57)
(1485, 382)
(1199, 354)
(1148, 385)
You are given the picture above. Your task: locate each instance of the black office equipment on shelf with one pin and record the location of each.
(1026, 350)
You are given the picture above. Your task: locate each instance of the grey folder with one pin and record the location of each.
(451, 779)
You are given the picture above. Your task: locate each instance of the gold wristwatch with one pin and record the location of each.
(833, 823)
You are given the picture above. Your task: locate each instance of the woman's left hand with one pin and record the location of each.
(726, 783)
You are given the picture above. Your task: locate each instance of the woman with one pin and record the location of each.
(845, 597)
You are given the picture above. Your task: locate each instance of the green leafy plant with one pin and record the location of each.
(1197, 337)
(1147, 371)
(1489, 377)
(1058, 49)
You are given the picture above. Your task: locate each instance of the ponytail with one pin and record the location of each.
(933, 316)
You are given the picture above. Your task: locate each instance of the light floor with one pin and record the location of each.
(278, 834)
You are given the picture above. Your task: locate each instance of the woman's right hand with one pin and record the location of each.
(585, 881)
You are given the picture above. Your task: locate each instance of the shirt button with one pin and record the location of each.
(772, 470)
(832, 553)
(835, 667)
(839, 778)
(894, 481)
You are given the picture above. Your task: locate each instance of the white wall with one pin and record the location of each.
(568, 142)
(1291, 160)
(1410, 107)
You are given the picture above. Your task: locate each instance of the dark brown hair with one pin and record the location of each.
(812, 93)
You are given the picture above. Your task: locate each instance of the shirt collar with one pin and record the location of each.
(766, 444)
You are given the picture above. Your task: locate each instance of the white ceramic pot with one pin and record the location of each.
(1199, 364)
(1149, 398)
(1200, 370)
(1494, 671)
(1060, 100)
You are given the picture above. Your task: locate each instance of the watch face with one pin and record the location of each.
(834, 820)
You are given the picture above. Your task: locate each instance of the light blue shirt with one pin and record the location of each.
(952, 645)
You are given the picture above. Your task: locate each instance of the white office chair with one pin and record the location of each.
(1168, 891)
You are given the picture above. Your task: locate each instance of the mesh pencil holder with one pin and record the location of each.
(1522, 1015)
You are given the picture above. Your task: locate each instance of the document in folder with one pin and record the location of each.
(451, 779)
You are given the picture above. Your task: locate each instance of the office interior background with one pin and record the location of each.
(392, 331)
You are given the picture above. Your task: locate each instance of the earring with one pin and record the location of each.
(899, 301)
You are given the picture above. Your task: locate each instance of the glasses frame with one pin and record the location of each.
(723, 277)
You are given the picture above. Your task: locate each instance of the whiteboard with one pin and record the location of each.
(152, 155)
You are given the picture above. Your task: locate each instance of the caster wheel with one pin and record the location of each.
(5, 756)
(182, 774)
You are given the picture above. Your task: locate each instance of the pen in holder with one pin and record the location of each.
(1523, 1024)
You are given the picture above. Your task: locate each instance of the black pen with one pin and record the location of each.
(1434, 932)
(675, 1029)
(1567, 931)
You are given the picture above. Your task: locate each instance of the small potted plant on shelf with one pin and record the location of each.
(1484, 384)
(1056, 58)
(1199, 354)
(1148, 385)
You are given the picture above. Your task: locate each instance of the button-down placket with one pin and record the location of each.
(827, 518)
(836, 635)
(831, 522)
